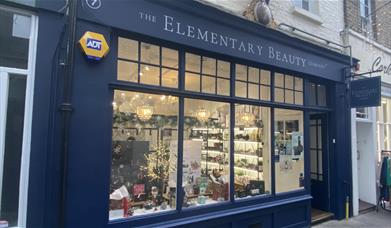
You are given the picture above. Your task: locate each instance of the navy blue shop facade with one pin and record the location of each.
(197, 117)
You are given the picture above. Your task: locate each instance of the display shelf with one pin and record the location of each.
(244, 141)
(245, 169)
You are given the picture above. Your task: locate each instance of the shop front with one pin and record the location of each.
(370, 125)
(197, 117)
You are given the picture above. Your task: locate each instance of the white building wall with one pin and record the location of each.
(327, 20)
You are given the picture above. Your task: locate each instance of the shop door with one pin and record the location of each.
(319, 162)
(12, 109)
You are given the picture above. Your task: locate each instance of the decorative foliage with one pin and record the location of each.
(159, 164)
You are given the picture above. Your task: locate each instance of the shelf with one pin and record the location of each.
(213, 163)
(249, 155)
(246, 141)
(245, 169)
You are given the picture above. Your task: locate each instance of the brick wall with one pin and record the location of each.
(380, 27)
(383, 23)
(330, 15)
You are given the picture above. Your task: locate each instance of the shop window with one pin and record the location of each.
(289, 150)
(317, 94)
(206, 153)
(145, 63)
(207, 75)
(144, 154)
(253, 83)
(252, 151)
(288, 89)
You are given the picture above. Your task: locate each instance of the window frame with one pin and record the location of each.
(182, 94)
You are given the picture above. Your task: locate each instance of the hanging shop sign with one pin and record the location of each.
(94, 45)
(365, 92)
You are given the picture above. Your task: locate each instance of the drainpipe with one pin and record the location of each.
(66, 104)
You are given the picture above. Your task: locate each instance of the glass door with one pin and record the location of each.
(12, 110)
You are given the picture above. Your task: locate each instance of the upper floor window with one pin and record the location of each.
(308, 5)
(364, 13)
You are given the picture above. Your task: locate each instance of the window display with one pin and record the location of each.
(289, 150)
(252, 149)
(205, 152)
(144, 156)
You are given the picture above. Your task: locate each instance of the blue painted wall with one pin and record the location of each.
(90, 148)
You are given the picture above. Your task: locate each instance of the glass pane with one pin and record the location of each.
(205, 153)
(265, 77)
(265, 93)
(223, 69)
(127, 71)
(252, 151)
(12, 151)
(288, 82)
(192, 82)
(241, 89)
(299, 98)
(170, 58)
(298, 84)
(169, 78)
(279, 95)
(193, 63)
(253, 75)
(253, 91)
(279, 80)
(314, 163)
(127, 49)
(14, 39)
(144, 154)
(288, 96)
(312, 94)
(208, 84)
(241, 72)
(150, 53)
(149, 75)
(208, 66)
(223, 87)
(322, 95)
(289, 150)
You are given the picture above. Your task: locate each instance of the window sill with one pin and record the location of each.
(307, 14)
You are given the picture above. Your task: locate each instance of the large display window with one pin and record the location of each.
(206, 152)
(252, 151)
(225, 153)
(289, 150)
(144, 154)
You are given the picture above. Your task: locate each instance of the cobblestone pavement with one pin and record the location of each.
(372, 219)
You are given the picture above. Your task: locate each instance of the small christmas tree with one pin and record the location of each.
(159, 165)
